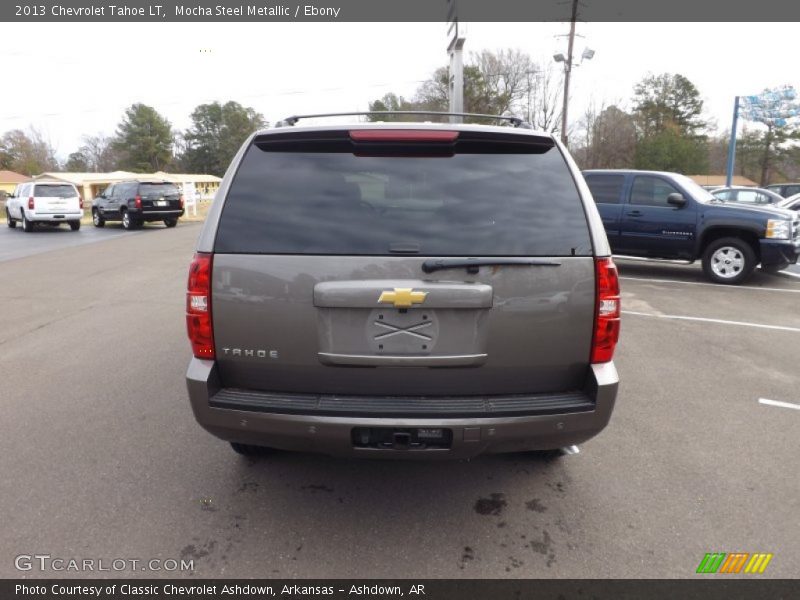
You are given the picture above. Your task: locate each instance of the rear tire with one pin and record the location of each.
(27, 226)
(249, 449)
(128, 222)
(170, 222)
(74, 225)
(9, 221)
(728, 261)
(97, 219)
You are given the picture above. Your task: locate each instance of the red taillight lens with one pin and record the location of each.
(606, 319)
(402, 135)
(181, 201)
(138, 201)
(80, 202)
(198, 307)
(30, 203)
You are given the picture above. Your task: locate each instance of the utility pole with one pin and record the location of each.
(732, 145)
(456, 51)
(568, 71)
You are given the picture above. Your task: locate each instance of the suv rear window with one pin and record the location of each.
(337, 202)
(54, 191)
(160, 189)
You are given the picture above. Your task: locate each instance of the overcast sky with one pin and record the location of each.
(69, 80)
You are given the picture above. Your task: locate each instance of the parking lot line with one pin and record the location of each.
(769, 402)
(707, 320)
(790, 274)
(716, 285)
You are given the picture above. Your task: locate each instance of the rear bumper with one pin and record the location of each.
(775, 252)
(154, 214)
(471, 436)
(44, 217)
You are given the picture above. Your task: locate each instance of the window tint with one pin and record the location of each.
(478, 204)
(54, 191)
(791, 190)
(606, 189)
(158, 189)
(125, 190)
(651, 191)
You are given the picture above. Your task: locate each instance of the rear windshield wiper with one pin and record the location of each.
(473, 264)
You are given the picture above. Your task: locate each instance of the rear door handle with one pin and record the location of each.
(634, 213)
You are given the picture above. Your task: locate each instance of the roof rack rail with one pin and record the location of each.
(515, 121)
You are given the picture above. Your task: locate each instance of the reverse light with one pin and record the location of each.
(607, 311)
(779, 229)
(199, 325)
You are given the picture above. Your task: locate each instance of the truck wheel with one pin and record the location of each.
(27, 226)
(729, 261)
(171, 222)
(249, 450)
(97, 218)
(128, 221)
(74, 225)
(9, 221)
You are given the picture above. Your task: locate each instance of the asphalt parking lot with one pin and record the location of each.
(101, 456)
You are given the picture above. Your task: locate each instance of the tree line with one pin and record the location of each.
(144, 141)
(661, 126)
(663, 129)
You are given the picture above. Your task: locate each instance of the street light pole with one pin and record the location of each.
(732, 145)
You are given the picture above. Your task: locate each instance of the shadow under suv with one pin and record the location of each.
(402, 290)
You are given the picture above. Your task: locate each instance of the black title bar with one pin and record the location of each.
(398, 11)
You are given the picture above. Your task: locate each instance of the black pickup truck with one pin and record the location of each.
(668, 216)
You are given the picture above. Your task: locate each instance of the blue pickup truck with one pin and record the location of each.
(652, 214)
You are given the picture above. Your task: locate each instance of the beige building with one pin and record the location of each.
(719, 180)
(91, 184)
(9, 181)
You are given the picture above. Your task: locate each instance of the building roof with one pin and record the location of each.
(720, 180)
(12, 177)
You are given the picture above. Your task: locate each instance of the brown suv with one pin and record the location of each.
(403, 290)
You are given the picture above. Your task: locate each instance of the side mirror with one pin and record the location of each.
(677, 200)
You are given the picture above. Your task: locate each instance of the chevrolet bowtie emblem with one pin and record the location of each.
(402, 297)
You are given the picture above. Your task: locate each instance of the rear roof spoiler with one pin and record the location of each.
(514, 121)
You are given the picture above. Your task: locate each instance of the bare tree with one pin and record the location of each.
(99, 152)
(608, 139)
(494, 83)
(29, 153)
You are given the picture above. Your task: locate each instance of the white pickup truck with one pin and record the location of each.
(50, 202)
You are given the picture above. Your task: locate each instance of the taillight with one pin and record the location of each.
(198, 307)
(30, 203)
(80, 202)
(402, 135)
(606, 318)
(138, 201)
(181, 201)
